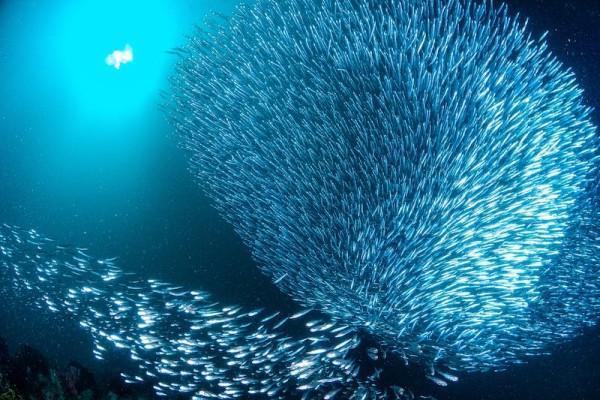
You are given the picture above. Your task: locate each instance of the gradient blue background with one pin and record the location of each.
(86, 155)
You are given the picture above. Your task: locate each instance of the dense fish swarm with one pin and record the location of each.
(420, 169)
(182, 341)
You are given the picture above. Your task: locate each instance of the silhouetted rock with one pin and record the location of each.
(4, 355)
(27, 367)
(28, 375)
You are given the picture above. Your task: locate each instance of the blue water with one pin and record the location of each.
(87, 158)
(87, 155)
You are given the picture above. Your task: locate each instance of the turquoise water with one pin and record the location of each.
(87, 155)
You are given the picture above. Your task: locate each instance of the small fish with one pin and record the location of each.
(282, 277)
(448, 376)
(436, 380)
(301, 313)
(373, 353)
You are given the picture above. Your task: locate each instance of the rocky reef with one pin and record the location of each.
(29, 375)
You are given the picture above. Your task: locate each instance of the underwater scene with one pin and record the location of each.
(300, 199)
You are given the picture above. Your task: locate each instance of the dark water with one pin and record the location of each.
(87, 158)
(573, 371)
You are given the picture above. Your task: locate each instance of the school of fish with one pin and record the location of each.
(182, 341)
(425, 171)
(422, 173)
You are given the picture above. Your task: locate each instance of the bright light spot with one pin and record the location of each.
(118, 57)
